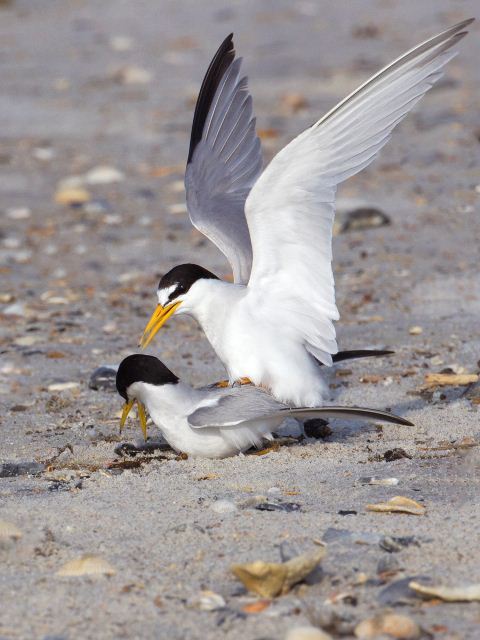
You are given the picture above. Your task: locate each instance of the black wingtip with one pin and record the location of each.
(220, 63)
(361, 353)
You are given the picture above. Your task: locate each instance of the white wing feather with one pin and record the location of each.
(225, 160)
(290, 209)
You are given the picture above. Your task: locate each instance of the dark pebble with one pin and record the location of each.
(395, 544)
(364, 218)
(396, 454)
(388, 564)
(103, 378)
(288, 507)
(317, 428)
(12, 469)
(399, 592)
(347, 512)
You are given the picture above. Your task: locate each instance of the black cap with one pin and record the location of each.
(182, 277)
(142, 368)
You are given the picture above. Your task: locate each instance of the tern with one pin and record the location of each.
(213, 422)
(274, 323)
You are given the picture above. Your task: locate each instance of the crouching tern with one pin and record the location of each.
(274, 323)
(211, 422)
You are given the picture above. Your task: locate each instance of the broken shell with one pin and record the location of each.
(307, 633)
(87, 566)
(103, 174)
(450, 379)
(399, 504)
(415, 331)
(9, 531)
(465, 593)
(390, 624)
(383, 482)
(208, 601)
(270, 579)
(63, 386)
(72, 196)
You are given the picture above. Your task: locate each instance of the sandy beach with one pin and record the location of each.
(96, 104)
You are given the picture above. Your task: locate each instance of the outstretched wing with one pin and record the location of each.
(290, 209)
(224, 160)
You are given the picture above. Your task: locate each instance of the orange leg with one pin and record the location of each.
(225, 383)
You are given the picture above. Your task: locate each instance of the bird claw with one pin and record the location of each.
(223, 384)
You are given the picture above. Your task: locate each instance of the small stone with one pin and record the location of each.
(388, 564)
(63, 386)
(110, 327)
(121, 43)
(72, 196)
(223, 506)
(390, 624)
(396, 454)
(13, 469)
(131, 74)
(27, 341)
(415, 331)
(307, 633)
(207, 601)
(44, 154)
(395, 544)
(286, 507)
(103, 174)
(103, 378)
(382, 482)
(17, 309)
(18, 213)
(317, 428)
(5, 298)
(364, 218)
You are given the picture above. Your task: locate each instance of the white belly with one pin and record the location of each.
(257, 346)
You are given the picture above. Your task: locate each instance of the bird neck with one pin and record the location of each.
(167, 400)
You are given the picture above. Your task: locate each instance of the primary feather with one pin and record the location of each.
(291, 208)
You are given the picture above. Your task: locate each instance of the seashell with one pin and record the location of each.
(87, 565)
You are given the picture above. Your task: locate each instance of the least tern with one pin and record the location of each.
(274, 323)
(212, 422)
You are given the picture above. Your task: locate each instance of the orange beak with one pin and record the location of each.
(157, 320)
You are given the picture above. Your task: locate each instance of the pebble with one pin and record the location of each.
(103, 174)
(395, 544)
(287, 507)
(317, 428)
(223, 506)
(131, 74)
(363, 218)
(388, 564)
(103, 378)
(72, 196)
(415, 331)
(63, 386)
(395, 454)
(307, 633)
(16, 309)
(18, 213)
(390, 624)
(121, 43)
(27, 341)
(5, 298)
(382, 482)
(207, 601)
(13, 469)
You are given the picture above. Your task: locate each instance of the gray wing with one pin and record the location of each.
(224, 160)
(233, 406)
(238, 405)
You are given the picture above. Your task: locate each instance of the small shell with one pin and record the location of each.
(399, 504)
(208, 601)
(270, 579)
(465, 593)
(87, 566)
(389, 624)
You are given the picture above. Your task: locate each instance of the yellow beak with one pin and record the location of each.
(158, 319)
(141, 415)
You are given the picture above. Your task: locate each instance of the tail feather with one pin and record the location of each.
(348, 413)
(357, 353)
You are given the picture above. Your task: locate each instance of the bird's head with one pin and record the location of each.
(175, 293)
(134, 372)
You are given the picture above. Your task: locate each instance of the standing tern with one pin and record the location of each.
(212, 422)
(275, 322)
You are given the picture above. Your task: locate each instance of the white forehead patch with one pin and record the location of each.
(164, 294)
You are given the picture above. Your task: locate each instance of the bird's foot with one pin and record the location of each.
(223, 384)
(275, 446)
